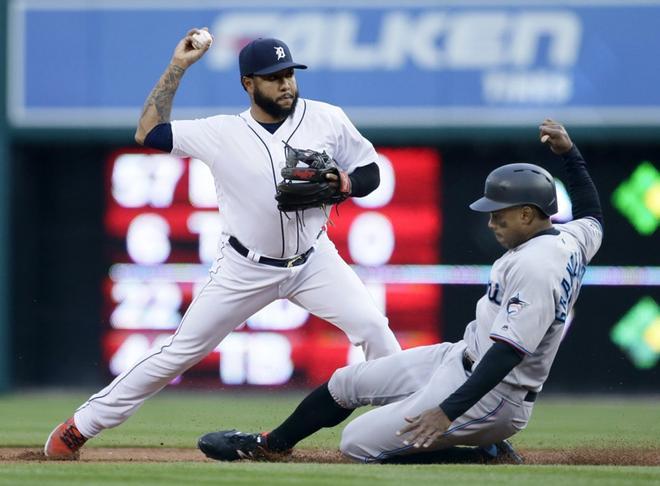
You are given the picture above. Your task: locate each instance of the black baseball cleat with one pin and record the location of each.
(501, 453)
(233, 445)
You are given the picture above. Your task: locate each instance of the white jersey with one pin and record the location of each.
(245, 160)
(531, 291)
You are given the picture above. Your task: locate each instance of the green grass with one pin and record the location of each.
(170, 419)
(596, 423)
(319, 474)
(176, 419)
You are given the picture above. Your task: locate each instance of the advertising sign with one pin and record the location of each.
(388, 64)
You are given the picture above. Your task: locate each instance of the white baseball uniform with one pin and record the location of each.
(245, 160)
(532, 289)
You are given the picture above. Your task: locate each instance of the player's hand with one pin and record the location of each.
(185, 54)
(555, 135)
(426, 428)
(342, 181)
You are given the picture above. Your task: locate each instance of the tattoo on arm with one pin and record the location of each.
(163, 93)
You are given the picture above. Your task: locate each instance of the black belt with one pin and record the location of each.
(274, 262)
(468, 363)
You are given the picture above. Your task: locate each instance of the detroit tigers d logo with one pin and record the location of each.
(279, 52)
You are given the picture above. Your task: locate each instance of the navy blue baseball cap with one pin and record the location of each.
(266, 56)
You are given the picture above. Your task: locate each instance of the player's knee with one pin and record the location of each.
(379, 341)
(376, 322)
(344, 387)
(349, 445)
(341, 389)
(345, 447)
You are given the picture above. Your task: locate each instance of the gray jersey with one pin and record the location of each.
(531, 291)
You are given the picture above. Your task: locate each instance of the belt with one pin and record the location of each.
(468, 363)
(274, 262)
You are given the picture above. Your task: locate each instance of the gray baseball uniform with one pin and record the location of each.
(531, 291)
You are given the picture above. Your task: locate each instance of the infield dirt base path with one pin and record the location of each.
(599, 457)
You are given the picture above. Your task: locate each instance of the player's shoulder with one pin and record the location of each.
(586, 233)
(321, 107)
(235, 119)
(213, 120)
(538, 255)
(229, 125)
(585, 226)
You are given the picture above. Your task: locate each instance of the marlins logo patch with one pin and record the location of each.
(515, 305)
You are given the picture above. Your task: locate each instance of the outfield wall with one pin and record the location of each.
(72, 110)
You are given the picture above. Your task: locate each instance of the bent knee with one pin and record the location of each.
(349, 445)
(379, 341)
(375, 322)
(359, 445)
(341, 388)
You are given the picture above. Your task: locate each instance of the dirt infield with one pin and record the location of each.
(599, 457)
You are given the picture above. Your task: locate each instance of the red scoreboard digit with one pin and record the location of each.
(162, 229)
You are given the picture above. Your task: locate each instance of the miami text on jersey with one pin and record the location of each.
(570, 285)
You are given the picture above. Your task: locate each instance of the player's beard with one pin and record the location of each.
(271, 107)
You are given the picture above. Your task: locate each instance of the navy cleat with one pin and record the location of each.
(501, 453)
(233, 445)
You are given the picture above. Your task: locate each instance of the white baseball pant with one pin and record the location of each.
(237, 288)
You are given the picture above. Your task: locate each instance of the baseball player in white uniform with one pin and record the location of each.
(265, 254)
(480, 390)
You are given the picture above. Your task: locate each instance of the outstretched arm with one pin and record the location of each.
(581, 189)
(158, 106)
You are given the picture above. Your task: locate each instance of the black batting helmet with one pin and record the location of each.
(517, 185)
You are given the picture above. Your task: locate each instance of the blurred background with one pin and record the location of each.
(104, 244)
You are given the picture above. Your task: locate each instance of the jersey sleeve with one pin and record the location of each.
(527, 310)
(196, 138)
(353, 150)
(588, 232)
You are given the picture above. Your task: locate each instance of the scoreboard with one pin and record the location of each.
(162, 230)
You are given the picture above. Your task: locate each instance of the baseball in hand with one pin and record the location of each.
(202, 39)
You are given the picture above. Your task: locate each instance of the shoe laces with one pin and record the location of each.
(73, 438)
(246, 442)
